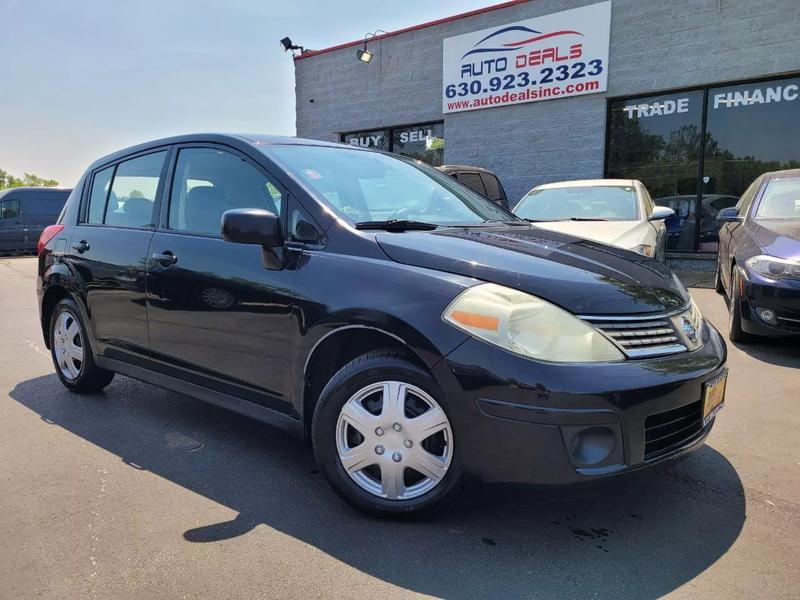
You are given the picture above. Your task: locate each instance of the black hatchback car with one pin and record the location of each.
(758, 266)
(414, 332)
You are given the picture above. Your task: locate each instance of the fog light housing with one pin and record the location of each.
(767, 315)
(592, 446)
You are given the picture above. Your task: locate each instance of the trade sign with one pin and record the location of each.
(555, 56)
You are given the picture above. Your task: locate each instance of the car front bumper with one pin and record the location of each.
(521, 421)
(781, 296)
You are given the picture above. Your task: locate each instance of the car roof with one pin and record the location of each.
(465, 168)
(784, 173)
(586, 182)
(27, 189)
(211, 137)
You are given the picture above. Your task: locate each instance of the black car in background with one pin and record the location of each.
(481, 180)
(25, 212)
(758, 266)
(414, 332)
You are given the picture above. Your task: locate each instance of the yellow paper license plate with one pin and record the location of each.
(714, 396)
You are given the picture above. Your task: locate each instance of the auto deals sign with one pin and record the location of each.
(555, 56)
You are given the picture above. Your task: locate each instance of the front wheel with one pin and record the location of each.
(71, 352)
(383, 437)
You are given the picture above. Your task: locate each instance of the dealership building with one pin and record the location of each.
(693, 97)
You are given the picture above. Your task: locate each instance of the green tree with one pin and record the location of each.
(27, 180)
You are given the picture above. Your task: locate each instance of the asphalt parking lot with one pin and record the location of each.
(142, 493)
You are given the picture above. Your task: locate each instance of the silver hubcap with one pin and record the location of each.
(394, 440)
(68, 345)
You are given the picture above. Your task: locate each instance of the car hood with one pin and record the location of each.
(581, 276)
(778, 237)
(608, 232)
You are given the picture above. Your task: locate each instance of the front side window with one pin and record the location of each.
(369, 186)
(209, 182)
(9, 209)
(133, 191)
(781, 200)
(602, 203)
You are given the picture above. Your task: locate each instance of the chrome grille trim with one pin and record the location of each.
(641, 336)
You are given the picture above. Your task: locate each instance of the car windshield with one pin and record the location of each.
(781, 200)
(602, 202)
(365, 187)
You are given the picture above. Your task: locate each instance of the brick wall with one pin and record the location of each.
(655, 45)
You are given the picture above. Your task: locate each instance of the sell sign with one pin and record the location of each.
(555, 56)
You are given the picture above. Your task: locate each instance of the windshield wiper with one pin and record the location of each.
(587, 219)
(396, 225)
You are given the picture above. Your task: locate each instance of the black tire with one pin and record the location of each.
(89, 378)
(718, 286)
(368, 369)
(735, 331)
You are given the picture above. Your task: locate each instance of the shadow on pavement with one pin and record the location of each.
(782, 352)
(638, 538)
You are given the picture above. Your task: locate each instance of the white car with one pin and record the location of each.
(614, 211)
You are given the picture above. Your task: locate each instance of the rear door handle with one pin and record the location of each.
(165, 258)
(81, 246)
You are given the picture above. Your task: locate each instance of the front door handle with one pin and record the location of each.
(165, 258)
(81, 246)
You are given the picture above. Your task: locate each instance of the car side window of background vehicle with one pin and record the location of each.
(9, 209)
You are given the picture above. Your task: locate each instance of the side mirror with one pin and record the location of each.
(729, 215)
(252, 226)
(662, 212)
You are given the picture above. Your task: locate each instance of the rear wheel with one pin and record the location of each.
(71, 352)
(383, 438)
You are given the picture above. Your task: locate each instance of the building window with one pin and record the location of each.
(377, 139)
(424, 142)
(749, 129)
(658, 140)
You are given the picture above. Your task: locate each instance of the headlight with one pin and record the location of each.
(645, 249)
(527, 325)
(774, 268)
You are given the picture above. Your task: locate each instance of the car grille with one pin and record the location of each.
(641, 337)
(666, 431)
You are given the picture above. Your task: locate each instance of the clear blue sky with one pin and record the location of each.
(81, 78)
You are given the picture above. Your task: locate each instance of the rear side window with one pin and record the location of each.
(97, 197)
(472, 180)
(209, 182)
(9, 209)
(492, 186)
(133, 191)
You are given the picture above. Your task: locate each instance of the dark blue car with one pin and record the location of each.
(759, 258)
